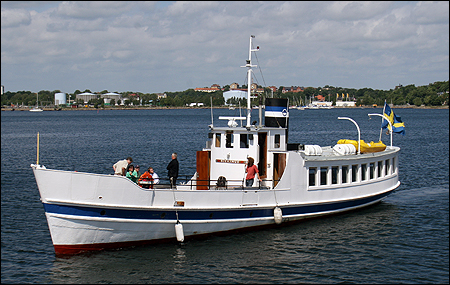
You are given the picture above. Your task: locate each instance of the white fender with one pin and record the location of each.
(179, 232)
(278, 215)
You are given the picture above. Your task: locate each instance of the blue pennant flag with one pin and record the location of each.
(398, 125)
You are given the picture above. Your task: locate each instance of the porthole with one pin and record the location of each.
(163, 215)
(103, 212)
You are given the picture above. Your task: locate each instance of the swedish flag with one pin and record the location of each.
(397, 124)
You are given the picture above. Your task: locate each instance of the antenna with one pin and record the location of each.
(212, 118)
(249, 78)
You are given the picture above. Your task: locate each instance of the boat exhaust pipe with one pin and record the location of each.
(276, 112)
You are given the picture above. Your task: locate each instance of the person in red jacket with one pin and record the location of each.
(146, 176)
(251, 171)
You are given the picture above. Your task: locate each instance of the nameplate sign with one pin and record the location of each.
(231, 161)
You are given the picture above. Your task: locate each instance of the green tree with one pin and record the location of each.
(417, 101)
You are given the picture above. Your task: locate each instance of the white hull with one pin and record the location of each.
(73, 234)
(88, 211)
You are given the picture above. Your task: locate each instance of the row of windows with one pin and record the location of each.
(243, 141)
(229, 140)
(350, 173)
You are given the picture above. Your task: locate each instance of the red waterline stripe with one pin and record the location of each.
(72, 249)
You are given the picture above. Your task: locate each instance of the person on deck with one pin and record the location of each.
(251, 171)
(173, 168)
(146, 177)
(121, 166)
(137, 169)
(154, 175)
(131, 173)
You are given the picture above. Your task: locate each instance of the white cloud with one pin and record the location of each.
(352, 10)
(170, 46)
(189, 8)
(15, 17)
(92, 9)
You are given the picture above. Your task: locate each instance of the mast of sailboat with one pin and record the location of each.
(249, 80)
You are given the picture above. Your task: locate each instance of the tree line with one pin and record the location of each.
(433, 94)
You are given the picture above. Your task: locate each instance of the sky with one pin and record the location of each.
(169, 46)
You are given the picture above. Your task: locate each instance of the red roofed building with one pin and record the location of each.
(320, 98)
(294, 89)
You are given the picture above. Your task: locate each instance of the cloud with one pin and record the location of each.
(92, 9)
(189, 8)
(15, 18)
(170, 46)
(354, 11)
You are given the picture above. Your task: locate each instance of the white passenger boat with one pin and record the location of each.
(90, 211)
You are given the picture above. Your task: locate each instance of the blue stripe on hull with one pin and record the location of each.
(203, 215)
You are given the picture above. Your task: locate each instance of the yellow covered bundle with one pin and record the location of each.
(365, 147)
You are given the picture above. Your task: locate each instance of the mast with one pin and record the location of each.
(249, 81)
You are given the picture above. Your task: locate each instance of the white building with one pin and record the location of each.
(111, 95)
(322, 103)
(60, 99)
(196, 105)
(86, 96)
(345, 104)
(234, 93)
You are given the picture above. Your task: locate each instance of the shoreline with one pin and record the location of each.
(174, 108)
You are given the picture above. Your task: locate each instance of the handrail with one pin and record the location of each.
(359, 132)
(211, 183)
(385, 118)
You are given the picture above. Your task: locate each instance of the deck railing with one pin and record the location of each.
(218, 184)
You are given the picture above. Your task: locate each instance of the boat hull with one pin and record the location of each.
(88, 211)
(75, 229)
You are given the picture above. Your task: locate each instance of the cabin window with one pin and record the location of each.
(380, 168)
(323, 175)
(386, 167)
(277, 141)
(344, 173)
(244, 141)
(363, 172)
(312, 176)
(393, 165)
(217, 140)
(354, 173)
(229, 140)
(334, 175)
(372, 170)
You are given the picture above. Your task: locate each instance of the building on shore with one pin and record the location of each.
(234, 93)
(345, 104)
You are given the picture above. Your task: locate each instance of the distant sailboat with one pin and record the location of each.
(36, 109)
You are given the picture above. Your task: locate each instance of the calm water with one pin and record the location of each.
(404, 239)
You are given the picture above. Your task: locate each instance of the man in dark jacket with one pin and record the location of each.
(173, 170)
